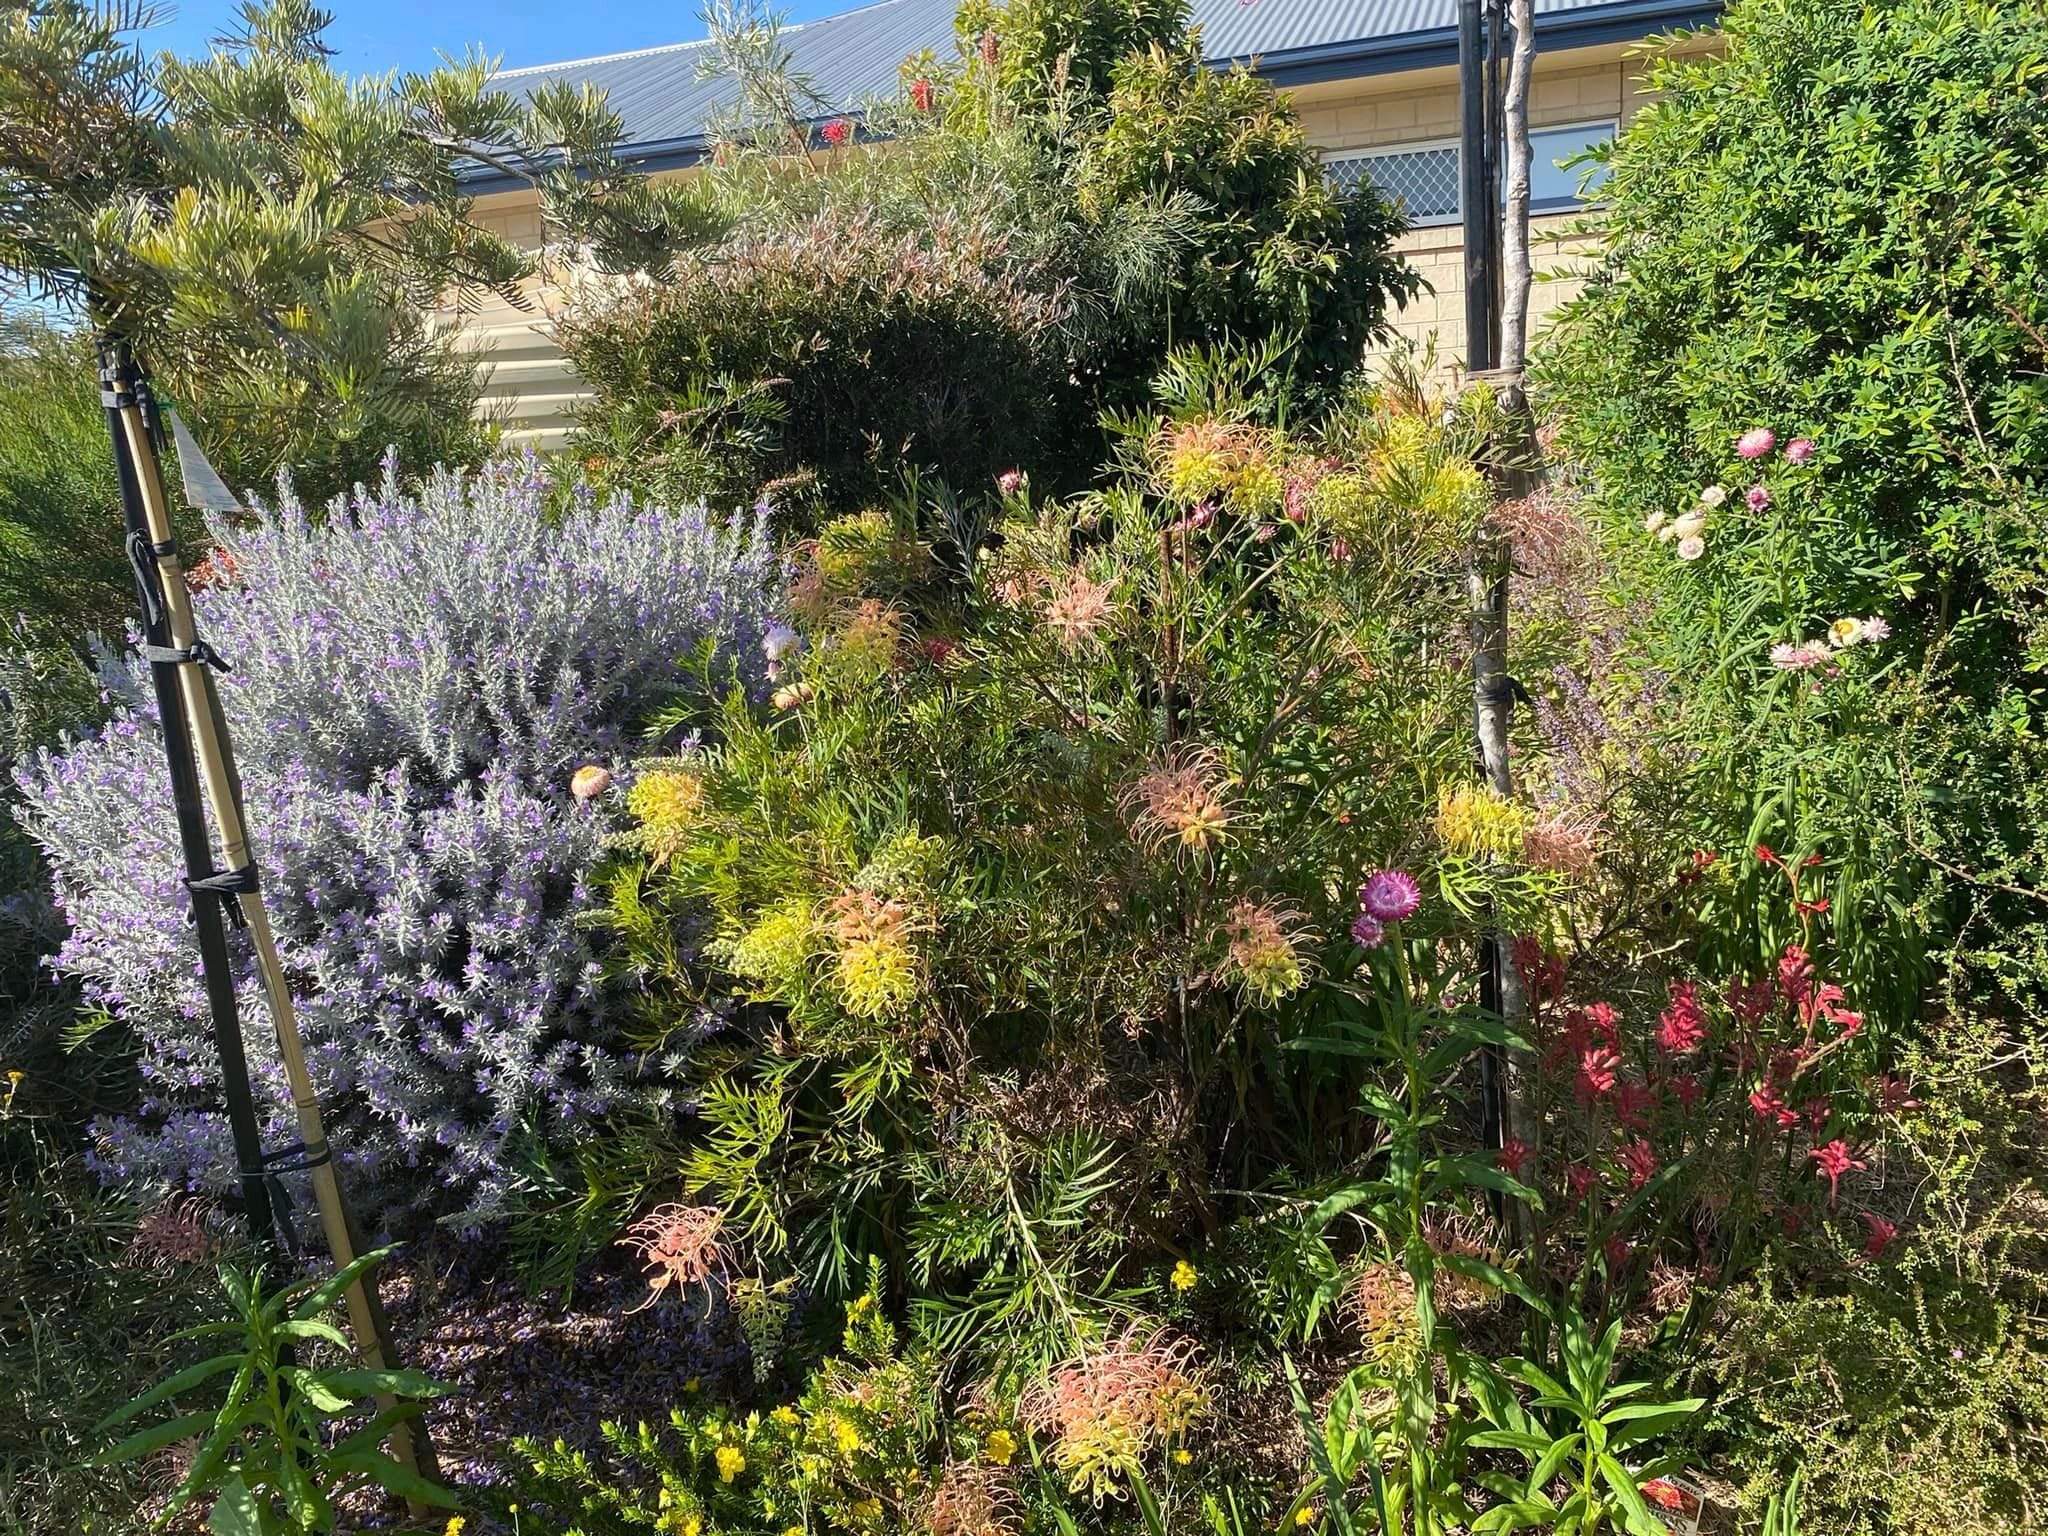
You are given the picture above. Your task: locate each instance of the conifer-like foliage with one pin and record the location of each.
(267, 233)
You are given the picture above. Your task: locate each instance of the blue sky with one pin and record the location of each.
(371, 36)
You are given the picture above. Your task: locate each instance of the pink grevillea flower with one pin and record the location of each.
(836, 132)
(1755, 443)
(679, 1245)
(1390, 895)
(1831, 1162)
(1800, 450)
(1878, 1233)
(1368, 931)
(1759, 498)
(1512, 1157)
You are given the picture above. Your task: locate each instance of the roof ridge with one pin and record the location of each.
(699, 42)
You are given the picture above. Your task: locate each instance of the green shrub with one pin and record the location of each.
(1831, 227)
(833, 351)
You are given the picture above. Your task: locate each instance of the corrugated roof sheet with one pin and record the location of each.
(666, 103)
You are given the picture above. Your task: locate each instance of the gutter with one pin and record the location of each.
(1354, 59)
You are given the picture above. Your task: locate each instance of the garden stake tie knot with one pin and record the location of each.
(201, 761)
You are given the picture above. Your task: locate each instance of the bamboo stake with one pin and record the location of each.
(213, 751)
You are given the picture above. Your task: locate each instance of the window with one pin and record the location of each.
(1420, 178)
(1552, 188)
(1423, 179)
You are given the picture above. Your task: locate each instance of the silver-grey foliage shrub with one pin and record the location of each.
(416, 678)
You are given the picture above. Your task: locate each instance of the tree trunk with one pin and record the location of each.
(1514, 321)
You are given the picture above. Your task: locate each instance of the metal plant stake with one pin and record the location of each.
(225, 889)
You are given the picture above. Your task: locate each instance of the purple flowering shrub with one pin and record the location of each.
(416, 677)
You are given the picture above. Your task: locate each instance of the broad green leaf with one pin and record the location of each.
(235, 1512)
(183, 1381)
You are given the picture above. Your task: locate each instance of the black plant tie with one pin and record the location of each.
(1500, 688)
(198, 651)
(270, 1168)
(139, 552)
(226, 886)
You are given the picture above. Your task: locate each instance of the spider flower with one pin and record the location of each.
(1262, 953)
(1107, 1408)
(679, 1245)
(1180, 806)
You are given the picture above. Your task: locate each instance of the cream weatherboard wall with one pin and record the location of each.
(533, 392)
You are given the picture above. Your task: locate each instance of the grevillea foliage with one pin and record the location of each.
(415, 678)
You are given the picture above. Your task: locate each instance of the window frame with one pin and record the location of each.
(1607, 128)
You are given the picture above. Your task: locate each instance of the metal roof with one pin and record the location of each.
(665, 103)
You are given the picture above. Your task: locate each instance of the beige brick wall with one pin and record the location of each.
(533, 392)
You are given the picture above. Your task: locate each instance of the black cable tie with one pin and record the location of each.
(164, 550)
(300, 1157)
(1499, 688)
(177, 655)
(225, 887)
(145, 578)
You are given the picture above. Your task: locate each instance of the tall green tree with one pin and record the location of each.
(269, 234)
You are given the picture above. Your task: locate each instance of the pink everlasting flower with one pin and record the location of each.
(1759, 498)
(1367, 930)
(590, 781)
(1800, 450)
(1876, 629)
(1010, 481)
(1803, 657)
(1755, 443)
(1390, 895)
(1691, 547)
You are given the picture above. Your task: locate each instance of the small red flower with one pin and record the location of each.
(1685, 1088)
(1764, 853)
(1795, 974)
(1880, 1233)
(1768, 1103)
(1598, 1066)
(836, 132)
(1750, 1000)
(1512, 1157)
(1683, 1025)
(1617, 1248)
(1633, 1102)
(1893, 1095)
(1580, 1179)
(1663, 1494)
(1832, 1161)
(921, 95)
(1641, 1162)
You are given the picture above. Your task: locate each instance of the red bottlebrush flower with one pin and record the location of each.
(1598, 1067)
(836, 132)
(1685, 1088)
(1663, 1494)
(1639, 1158)
(921, 95)
(1683, 1025)
(1512, 1157)
(1879, 1235)
(1831, 1162)
(1795, 974)
(1580, 1179)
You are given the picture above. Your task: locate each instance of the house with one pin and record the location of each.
(1375, 82)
